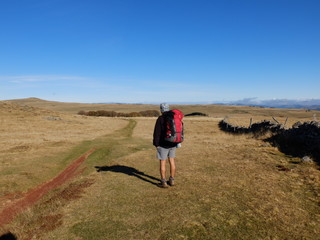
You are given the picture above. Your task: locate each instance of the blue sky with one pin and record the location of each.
(159, 50)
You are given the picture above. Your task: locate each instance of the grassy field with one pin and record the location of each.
(228, 187)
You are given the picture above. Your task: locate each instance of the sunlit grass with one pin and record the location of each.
(227, 187)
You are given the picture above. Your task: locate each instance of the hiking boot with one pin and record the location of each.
(171, 181)
(163, 184)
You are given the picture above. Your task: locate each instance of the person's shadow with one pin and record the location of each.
(8, 236)
(129, 171)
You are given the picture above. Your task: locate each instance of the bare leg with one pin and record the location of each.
(172, 167)
(163, 169)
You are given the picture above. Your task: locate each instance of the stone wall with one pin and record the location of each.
(257, 129)
(302, 139)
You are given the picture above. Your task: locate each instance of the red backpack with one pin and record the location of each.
(174, 126)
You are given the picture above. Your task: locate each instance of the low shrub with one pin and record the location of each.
(196, 114)
(103, 113)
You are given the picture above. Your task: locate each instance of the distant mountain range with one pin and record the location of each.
(312, 104)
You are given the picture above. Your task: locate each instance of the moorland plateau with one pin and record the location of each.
(227, 186)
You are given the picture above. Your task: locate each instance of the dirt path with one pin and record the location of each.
(227, 187)
(33, 195)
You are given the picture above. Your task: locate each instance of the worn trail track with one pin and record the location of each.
(35, 194)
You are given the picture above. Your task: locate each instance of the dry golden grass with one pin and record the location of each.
(74, 108)
(216, 111)
(228, 187)
(245, 190)
(31, 138)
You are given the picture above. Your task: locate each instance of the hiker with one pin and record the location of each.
(165, 149)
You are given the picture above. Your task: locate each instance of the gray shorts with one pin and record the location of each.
(164, 153)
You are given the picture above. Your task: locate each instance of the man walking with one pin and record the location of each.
(165, 149)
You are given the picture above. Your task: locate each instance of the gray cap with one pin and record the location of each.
(164, 107)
